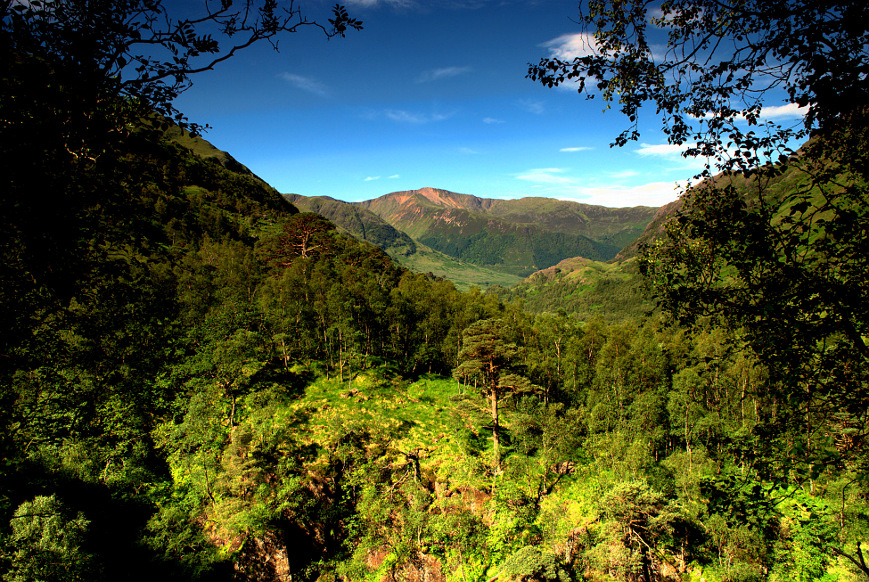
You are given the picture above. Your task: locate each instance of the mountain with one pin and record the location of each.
(478, 241)
(513, 236)
(199, 399)
(653, 230)
(611, 291)
(360, 223)
(206, 150)
(615, 290)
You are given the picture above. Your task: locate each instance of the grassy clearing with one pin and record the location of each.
(463, 275)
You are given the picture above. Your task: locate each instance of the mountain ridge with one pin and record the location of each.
(515, 237)
(519, 236)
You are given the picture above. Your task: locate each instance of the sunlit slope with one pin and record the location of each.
(587, 289)
(364, 225)
(463, 275)
(616, 290)
(514, 236)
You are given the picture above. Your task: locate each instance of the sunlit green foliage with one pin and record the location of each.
(200, 383)
(46, 543)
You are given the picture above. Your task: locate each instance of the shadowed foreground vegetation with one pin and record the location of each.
(200, 382)
(230, 389)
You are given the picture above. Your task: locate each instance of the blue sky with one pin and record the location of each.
(430, 93)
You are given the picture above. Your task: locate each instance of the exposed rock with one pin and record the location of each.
(263, 559)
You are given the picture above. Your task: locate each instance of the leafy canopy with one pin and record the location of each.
(775, 251)
(129, 59)
(722, 62)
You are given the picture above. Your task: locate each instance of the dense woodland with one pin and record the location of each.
(199, 382)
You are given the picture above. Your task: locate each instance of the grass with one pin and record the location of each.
(197, 145)
(463, 275)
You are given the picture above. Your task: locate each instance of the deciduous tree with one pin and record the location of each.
(775, 246)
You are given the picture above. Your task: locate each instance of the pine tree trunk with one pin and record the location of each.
(493, 399)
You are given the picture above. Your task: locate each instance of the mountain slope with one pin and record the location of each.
(653, 230)
(364, 225)
(206, 150)
(586, 289)
(358, 222)
(515, 236)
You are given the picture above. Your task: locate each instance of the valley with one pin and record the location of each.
(483, 242)
(205, 380)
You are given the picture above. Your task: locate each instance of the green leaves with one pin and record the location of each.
(46, 543)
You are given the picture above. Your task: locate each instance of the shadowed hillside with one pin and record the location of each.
(358, 222)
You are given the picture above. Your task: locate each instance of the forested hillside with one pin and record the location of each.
(200, 382)
(233, 389)
(614, 291)
(358, 222)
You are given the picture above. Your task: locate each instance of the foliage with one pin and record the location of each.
(489, 358)
(613, 291)
(359, 222)
(127, 60)
(46, 543)
(529, 563)
(199, 382)
(794, 294)
(720, 63)
(771, 249)
(768, 249)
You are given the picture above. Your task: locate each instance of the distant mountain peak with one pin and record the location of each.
(435, 196)
(442, 197)
(514, 236)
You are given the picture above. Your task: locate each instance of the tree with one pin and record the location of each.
(640, 530)
(774, 247)
(306, 235)
(722, 60)
(78, 79)
(489, 358)
(129, 59)
(91, 298)
(46, 543)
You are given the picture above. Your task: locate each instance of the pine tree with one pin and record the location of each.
(489, 360)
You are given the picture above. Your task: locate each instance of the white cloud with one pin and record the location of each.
(662, 149)
(371, 178)
(305, 84)
(442, 73)
(403, 116)
(624, 174)
(571, 46)
(532, 106)
(558, 183)
(465, 150)
(651, 194)
(654, 14)
(394, 177)
(568, 47)
(671, 158)
(492, 120)
(576, 149)
(780, 111)
(791, 110)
